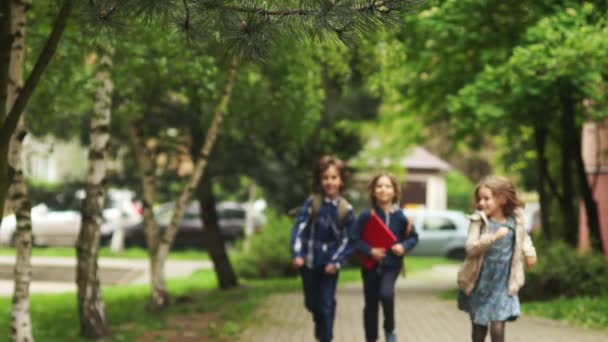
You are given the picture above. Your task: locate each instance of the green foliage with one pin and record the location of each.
(460, 191)
(269, 255)
(562, 272)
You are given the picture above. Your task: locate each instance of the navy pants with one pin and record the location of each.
(378, 287)
(320, 300)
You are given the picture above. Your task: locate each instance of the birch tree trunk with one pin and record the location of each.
(21, 325)
(9, 117)
(91, 308)
(160, 295)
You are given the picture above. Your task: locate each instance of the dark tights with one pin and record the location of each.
(497, 332)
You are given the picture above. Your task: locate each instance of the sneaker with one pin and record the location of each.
(391, 337)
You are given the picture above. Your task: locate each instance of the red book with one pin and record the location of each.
(377, 235)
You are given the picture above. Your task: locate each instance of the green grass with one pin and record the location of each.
(583, 311)
(105, 252)
(54, 316)
(419, 263)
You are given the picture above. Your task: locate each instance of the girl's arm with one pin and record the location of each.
(298, 228)
(477, 243)
(529, 250)
(410, 240)
(355, 234)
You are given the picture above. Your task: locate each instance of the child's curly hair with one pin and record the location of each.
(500, 187)
(322, 165)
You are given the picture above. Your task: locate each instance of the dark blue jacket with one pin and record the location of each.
(324, 241)
(397, 222)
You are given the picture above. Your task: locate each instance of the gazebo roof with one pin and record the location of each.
(419, 158)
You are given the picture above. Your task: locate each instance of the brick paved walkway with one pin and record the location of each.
(421, 316)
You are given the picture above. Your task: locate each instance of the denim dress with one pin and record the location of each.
(490, 300)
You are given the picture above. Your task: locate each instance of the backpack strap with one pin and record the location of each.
(343, 210)
(317, 200)
(315, 207)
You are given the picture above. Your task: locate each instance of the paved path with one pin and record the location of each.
(57, 274)
(421, 316)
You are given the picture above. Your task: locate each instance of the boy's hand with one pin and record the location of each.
(331, 269)
(298, 262)
(398, 249)
(500, 233)
(378, 253)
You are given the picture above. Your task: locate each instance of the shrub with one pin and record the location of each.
(269, 255)
(562, 272)
(460, 191)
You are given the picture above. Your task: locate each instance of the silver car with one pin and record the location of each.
(58, 223)
(440, 232)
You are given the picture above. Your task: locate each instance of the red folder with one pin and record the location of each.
(377, 235)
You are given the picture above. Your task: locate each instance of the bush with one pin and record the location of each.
(460, 191)
(562, 272)
(269, 255)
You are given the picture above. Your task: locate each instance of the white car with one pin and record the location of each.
(440, 232)
(58, 224)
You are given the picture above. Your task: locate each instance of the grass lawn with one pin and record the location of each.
(200, 310)
(105, 252)
(583, 311)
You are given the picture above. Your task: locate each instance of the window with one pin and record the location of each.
(436, 223)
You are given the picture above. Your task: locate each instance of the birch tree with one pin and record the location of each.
(10, 116)
(21, 326)
(91, 309)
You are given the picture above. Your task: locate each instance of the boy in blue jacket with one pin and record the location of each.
(320, 243)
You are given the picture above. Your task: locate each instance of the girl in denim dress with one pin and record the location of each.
(497, 246)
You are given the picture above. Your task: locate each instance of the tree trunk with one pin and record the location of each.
(212, 237)
(9, 117)
(21, 324)
(6, 53)
(199, 169)
(91, 308)
(145, 160)
(567, 199)
(249, 217)
(540, 139)
(575, 136)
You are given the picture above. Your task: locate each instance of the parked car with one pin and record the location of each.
(231, 216)
(57, 222)
(440, 232)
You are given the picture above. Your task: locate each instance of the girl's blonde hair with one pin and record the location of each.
(374, 182)
(500, 187)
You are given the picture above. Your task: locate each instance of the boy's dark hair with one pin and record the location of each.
(393, 180)
(321, 166)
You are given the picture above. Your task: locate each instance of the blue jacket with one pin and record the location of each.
(324, 241)
(397, 222)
